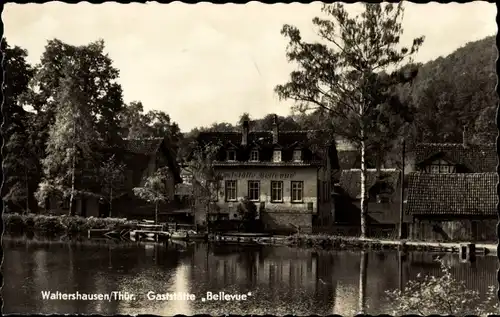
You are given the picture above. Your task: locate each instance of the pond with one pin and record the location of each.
(275, 279)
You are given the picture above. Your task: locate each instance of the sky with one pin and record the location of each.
(208, 63)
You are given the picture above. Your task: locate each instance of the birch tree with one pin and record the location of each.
(112, 175)
(70, 139)
(206, 181)
(352, 74)
(155, 189)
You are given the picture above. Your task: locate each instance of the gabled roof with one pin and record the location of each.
(140, 148)
(145, 146)
(263, 140)
(286, 139)
(477, 158)
(452, 194)
(350, 180)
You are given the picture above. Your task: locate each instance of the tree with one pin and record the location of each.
(155, 189)
(442, 295)
(20, 163)
(206, 181)
(71, 137)
(349, 77)
(98, 81)
(112, 180)
(134, 123)
(248, 213)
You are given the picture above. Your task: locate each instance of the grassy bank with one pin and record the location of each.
(53, 226)
(329, 242)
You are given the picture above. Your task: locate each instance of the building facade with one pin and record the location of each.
(281, 172)
(452, 193)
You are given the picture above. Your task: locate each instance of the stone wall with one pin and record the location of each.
(281, 220)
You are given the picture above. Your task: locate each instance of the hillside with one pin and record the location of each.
(458, 90)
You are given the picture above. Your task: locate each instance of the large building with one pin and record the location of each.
(452, 193)
(282, 172)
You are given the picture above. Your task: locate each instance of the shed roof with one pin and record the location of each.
(452, 194)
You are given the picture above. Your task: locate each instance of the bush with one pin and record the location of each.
(49, 225)
(60, 225)
(14, 223)
(75, 225)
(442, 295)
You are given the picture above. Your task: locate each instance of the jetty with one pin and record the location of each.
(242, 237)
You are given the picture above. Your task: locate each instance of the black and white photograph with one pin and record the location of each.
(250, 159)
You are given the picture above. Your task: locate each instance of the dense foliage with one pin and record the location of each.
(457, 90)
(442, 295)
(57, 113)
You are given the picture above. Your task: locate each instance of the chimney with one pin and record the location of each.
(465, 139)
(244, 137)
(275, 129)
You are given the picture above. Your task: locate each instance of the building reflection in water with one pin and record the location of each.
(283, 280)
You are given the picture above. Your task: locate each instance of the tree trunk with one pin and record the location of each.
(27, 191)
(156, 213)
(73, 166)
(72, 196)
(364, 198)
(110, 201)
(362, 283)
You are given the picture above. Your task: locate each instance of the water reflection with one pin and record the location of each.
(282, 280)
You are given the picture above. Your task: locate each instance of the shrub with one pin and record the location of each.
(49, 225)
(75, 225)
(442, 295)
(14, 223)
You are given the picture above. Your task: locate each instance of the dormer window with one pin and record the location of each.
(254, 156)
(231, 155)
(440, 166)
(297, 155)
(277, 156)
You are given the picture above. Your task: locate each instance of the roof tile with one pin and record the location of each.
(452, 194)
(477, 158)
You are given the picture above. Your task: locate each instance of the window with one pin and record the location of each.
(297, 155)
(276, 191)
(434, 168)
(297, 191)
(444, 169)
(254, 190)
(231, 155)
(254, 156)
(231, 190)
(440, 166)
(277, 156)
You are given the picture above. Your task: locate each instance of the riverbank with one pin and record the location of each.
(59, 226)
(75, 227)
(356, 243)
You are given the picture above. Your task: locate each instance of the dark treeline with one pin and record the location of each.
(75, 86)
